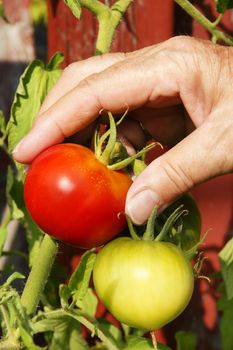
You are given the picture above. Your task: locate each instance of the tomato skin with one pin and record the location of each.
(144, 284)
(74, 197)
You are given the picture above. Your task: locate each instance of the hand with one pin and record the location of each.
(180, 90)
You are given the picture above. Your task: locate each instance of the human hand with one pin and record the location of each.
(181, 92)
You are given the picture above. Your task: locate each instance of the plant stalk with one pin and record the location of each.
(39, 274)
(109, 19)
(208, 25)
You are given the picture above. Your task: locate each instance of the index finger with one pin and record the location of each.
(133, 82)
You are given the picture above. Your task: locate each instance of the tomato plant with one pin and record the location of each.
(148, 283)
(74, 197)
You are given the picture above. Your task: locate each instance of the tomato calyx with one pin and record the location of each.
(111, 152)
(164, 233)
(170, 230)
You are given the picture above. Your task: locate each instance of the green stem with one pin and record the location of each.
(125, 162)
(5, 316)
(39, 274)
(208, 25)
(149, 233)
(95, 6)
(131, 229)
(109, 19)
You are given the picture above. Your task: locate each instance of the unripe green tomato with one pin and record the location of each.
(144, 284)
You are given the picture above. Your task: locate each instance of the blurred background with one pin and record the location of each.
(37, 29)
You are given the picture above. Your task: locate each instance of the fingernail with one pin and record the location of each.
(140, 206)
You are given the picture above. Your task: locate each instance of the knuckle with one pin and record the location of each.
(70, 69)
(181, 42)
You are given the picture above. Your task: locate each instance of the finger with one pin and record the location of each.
(133, 132)
(130, 84)
(200, 156)
(76, 72)
(167, 125)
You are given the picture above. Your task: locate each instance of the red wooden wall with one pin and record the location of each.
(148, 22)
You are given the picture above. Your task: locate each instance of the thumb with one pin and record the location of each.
(198, 157)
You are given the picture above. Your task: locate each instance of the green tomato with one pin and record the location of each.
(144, 284)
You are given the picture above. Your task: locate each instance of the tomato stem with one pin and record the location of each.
(125, 162)
(149, 233)
(39, 274)
(132, 231)
(105, 155)
(170, 221)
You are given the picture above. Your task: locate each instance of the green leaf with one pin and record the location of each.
(13, 195)
(3, 236)
(15, 199)
(226, 307)
(88, 303)
(75, 7)
(65, 294)
(226, 263)
(52, 321)
(27, 339)
(113, 332)
(80, 279)
(34, 85)
(67, 333)
(185, 340)
(2, 123)
(223, 5)
(13, 277)
(140, 343)
(38, 11)
(16, 314)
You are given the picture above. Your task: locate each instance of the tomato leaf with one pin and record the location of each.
(34, 85)
(80, 278)
(56, 321)
(66, 331)
(185, 340)
(88, 303)
(226, 263)
(13, 277)
(113, 332)
(226, 307)
(16, 316)
(2, 123)
(223, 5)
(14, 194)
(3, 235)
(75, 7)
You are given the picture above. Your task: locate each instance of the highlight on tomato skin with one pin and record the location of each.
(75, 198)
(149, 282)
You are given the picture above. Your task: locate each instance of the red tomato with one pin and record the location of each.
(75, 198)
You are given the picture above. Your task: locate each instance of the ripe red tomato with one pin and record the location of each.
(74, 197)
